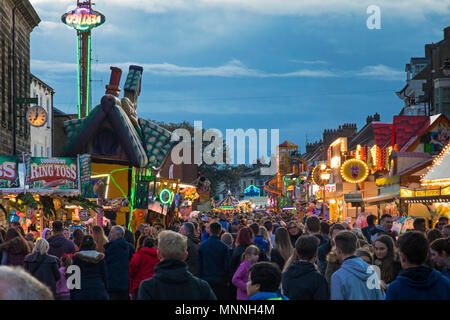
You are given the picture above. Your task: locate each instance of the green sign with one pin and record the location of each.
(27, 100)
(52, 173)
(9, 172)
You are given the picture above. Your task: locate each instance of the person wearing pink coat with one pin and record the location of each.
(240, 278)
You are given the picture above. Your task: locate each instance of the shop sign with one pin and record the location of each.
(420, 193)
(433, 192)
(52, 173)
(408, 193)
(84, 215)
(354, 171)
(9, 172)
(353, 197)
(445, 191)
(83, 19)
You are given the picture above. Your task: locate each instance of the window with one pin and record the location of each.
(48, 152)
(35, 151)
(42, 151)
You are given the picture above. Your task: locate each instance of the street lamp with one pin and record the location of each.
(325, 176)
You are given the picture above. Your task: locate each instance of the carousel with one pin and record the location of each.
(229, 204)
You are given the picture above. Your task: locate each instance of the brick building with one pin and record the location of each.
(17, 21)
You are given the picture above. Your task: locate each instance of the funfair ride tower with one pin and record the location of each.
(83, 19)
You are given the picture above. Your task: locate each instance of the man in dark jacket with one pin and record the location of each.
(117, 253)
(59, 244)
(416, 281)
(385, 227)
(312, 227)
(301, 281)
(188, 230)
(172, 280)
(213, 263)
(325, 248)
(367, 231)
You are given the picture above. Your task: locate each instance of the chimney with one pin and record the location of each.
(113, 86)
(447, 33)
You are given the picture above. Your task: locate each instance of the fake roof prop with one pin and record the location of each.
(405, 127)
(228, 201)
(145, 145)
(439, 173)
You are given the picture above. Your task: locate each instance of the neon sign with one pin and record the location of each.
(168, 198)
(83, 19)
(252, 191)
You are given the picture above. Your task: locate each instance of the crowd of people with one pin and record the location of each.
(209, 256)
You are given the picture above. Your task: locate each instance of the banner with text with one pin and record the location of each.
(9, 172)
(52, 173)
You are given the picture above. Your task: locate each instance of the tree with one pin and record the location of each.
(216, 173)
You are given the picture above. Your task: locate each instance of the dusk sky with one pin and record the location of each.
(296, 65)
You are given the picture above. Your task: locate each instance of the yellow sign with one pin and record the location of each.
(445, 191)
(434, 192)
(354, 171)
(406, 193)
(421, 193)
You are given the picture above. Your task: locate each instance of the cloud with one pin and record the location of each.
(381, 72)
(308, 61)
(233, 68)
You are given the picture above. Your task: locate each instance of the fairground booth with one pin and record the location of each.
(127, 154)
(35, 191)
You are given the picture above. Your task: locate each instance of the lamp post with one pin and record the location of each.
(325, 176)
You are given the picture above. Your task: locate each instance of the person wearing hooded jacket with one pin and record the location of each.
(117, 257)
(142, 264)
(417, 281)
(93, 284)
(59, 244)
(172, 280)
(300, 279)
(355, 279)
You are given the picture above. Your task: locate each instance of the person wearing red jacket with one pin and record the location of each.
(142, 265)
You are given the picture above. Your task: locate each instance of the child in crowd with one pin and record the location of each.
(240, 278)
(62, 291)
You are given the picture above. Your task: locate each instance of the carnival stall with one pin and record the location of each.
(41, 190)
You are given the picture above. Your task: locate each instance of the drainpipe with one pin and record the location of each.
(14, 122)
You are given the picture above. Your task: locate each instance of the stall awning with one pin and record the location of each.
(382, 198)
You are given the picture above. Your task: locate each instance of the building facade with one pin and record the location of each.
(435, 76)
(41, 140)
(17, 21)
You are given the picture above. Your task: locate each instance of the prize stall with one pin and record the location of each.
(41, 190)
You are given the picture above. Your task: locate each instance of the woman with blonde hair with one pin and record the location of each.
(43, 266)
(240, 278)
(99, 238)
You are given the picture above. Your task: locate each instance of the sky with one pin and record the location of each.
(300, 66)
